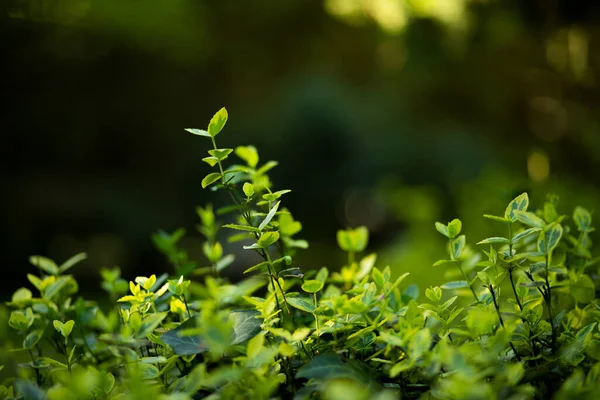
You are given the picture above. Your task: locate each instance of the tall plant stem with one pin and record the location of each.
(512, 283)
(497, 307)
(548, 299)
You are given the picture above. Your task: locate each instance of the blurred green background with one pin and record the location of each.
(387, 113)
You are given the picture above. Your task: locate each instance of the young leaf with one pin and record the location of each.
(492, 240)
(248, 189)
(241, 227)
(495, 218)
(212, 161)
(549, 238)
(455, 285)
(454, 228)
(529, 218)
(210, 179)
(269, 216)
(301, 303)
(217, 122)
(583, 219)
(220, 154)
(76, 259)
(312, 286)
(248, 154)
(267, 239)
(520, 203)
(458, 245)
(199, 132)
(524, 234)
(263, 264)
(443, 229)
(45, 264)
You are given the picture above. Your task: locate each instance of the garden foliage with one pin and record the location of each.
(520, 321)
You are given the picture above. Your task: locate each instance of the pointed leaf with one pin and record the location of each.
(199, 132)
(269, 216)
(77, 258)
(301, 303)
(520, 203)
(210, 179)
(443, 229)
(45, 264)
(245, 325)
(217, 122)
(529, 218)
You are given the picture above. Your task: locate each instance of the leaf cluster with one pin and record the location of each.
(520, 321)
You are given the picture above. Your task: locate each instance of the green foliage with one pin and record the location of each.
(521, 321)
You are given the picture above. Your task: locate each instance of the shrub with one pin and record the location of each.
(520, 321)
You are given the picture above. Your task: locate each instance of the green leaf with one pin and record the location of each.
(520, 203)
(455, 285)
(353, 240)
(549, 238)
(245, 325)
(583, 219)
(442, 262)
(496, 218)
(458, 245)
(332, 366)
(267, 239)
(21, 294)
(150, 323)
(312, 286)
(269, 217)
(57, 286)
(260, 265)
(524, 234)
(45, 264)
(220, 154)
(184, 345)
(454, 228)
(64, 329)
(199, 132)
(248, 189)
(212, 161)
(248, 154)
(19, 321)
(267, 167)
(242, 227)
(33, 338)
(301, 303)
(443, 229)
(529, 219)
(217, 122)
(365, 266)
(492, 240)
(210, 179)
(76, 259)
(148, 371)
(322, 275)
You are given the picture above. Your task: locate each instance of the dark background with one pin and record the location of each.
(389, 113)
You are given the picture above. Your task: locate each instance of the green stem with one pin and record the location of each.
(316, 318)
(512, 283)
(186, 306)
(549, 304)
(470, 285)
(214, 143)
(270, 267)
(37, 372)
(497, 307)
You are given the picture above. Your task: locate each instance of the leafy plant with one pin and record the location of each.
(519, 321)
